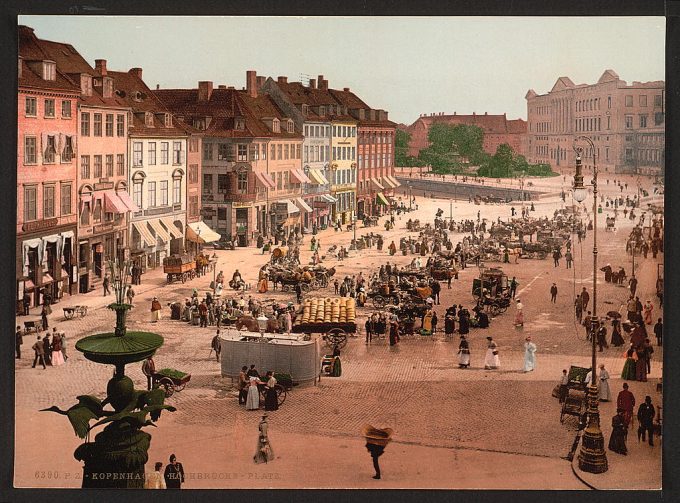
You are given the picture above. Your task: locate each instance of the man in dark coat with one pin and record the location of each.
(585, 298)
(47, 349)
(553, 293)
(645, 415)
(436, 289)
(19, 341)
(26, 303)
(658, 331)
(39, 349)
(174, 474)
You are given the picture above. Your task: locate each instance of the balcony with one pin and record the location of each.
(162, 210)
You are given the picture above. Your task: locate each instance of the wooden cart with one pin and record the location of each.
(179, 268)
(169, 383)
(575, 400)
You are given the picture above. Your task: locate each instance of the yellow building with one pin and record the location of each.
(343, 169)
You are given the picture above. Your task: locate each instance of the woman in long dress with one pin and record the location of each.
(264, 452)
(57, 356)
(463, 353)
(617, 339)
(449, 325)
(253, 398)
(519, 315)
(649, 313)
(463, 321)
(271, 401)
(617, 442)
(604, 393)
(155, 310)
(491, 361)
(529, 355)
(427, 321)
(628, 373)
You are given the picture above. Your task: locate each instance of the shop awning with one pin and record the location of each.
(317, 176)
(160, 230)
(199, 232)
(47, 279)
(377, 184)
(388, 183)
(172, 228)
(29, 285)
(287, 206)
(303, 205)
(127, 201)
(113, 203)
(299, 176)
(328, 198)
(391, 181)
(64, 273)
(144, 232)
(382, 199)
(265, 180)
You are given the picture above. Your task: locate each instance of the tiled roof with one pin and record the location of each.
(495, 124)
(300, 95)
(30, 50)
(518, 126)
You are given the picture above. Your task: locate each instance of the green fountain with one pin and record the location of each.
(116, 457)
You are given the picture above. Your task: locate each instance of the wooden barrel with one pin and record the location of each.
(280, 252)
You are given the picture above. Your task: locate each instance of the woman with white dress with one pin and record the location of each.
(463, 353)
(253, 398)
(529, 355)
(491, 361)
(604, 393)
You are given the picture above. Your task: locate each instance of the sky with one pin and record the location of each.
(406, 65)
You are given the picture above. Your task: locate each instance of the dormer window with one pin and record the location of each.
(86, 84)
(199, 124)
(240, 123)
(148, 119)
(305, 110)
(276, 126)
(49, 70)
(107, 89)
(167, 120)
(291, 126)
(322, 111)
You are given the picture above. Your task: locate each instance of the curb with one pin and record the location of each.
(574, 468)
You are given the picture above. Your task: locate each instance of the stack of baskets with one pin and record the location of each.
(328, 310)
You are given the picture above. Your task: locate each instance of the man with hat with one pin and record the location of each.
(645, 417)
(626, 402)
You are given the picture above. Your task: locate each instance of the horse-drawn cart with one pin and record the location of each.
(333, 318)
(179, 268)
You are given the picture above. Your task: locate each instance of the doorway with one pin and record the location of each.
(97, 259)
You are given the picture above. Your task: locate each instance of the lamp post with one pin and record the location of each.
(262, 321)
(592, 457)
(410, 197)
(521, 188)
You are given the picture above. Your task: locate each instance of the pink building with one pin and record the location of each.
(46, 174)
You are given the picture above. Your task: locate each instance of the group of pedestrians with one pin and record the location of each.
(249, 381)
(46, 351)
(625, 406)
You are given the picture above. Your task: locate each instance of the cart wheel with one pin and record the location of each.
(180, 387)
(379, 302)
(337, 337)
(304, 287)
(280, 394)
(184, 277)
(167, 384)
(503, 308)
(285, 288)
(192, 274)
(495, 310)
(169, 278)
(83, 312)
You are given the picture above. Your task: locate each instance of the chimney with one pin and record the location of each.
(454, 113)
(221, 86)
(486, 113)
(325, 84)
(260, 81)
(137, 72)
(474, 113)
(312, 84)
(346, 89)
(322, 83)
(232, 88)
(282, 80)
(205, 88)
(100, 66)
(158, 86)
(251, 83)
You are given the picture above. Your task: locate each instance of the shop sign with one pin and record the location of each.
(39, 225)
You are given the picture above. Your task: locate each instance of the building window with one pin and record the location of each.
(164, 193)
(643, 121)
(242, 152)
(207, 184)
(120, 125)
(285, 151)
(279, 181)
(85, 215)
(97, 213)
(643, 100)
(165, 152)
(242, 182)
(193, 173)
(30, 151)
(120, 164)
(629, 101)
(193, 205)
(629, 122)
(222, 151)
(137, 194)
(609, 122)
(137, 153)
(97, 166)
(306, 159)
(85, 124)
(85, 167)
(151, 199)
(177, 191)
(109, 164)
(109, 124)
(222, 184)
(207, 152)
(279, 151)
(97, 125)
(49, 108)
(306, 127)
(48, 201)
(67, 153)
(272, 156)
(30, 203)
(152, 153)
(50, 150)
(65, 198)
(629, 154)
(335, 131)
(31, 107)
(286, 182)
(353, 153)
(290, 127)
(658, 100)
(177, 152)
(298, 148)
(254, 152)
(193, 145)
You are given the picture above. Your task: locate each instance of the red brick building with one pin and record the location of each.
(497, 130)
(46, 174)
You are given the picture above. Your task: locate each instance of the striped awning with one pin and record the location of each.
(328, 198)
(317, 176)
(127, 201)
(382, 199)
(160, 230)
(388, 183)
(113, 203)
(299, 176)
(144, 232)
(199, 232)
(303, 205)
(265, 180)
(394, 183)
(377, 184)
(172, 227)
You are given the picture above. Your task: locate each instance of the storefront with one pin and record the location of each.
(200, 234)
(154, 239)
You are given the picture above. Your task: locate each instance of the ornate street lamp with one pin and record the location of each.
(262, 321)
(592, 457)
(121, 448)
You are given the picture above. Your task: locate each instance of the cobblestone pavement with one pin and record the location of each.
(415, 388)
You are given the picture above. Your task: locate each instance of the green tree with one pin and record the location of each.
(401, 141)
